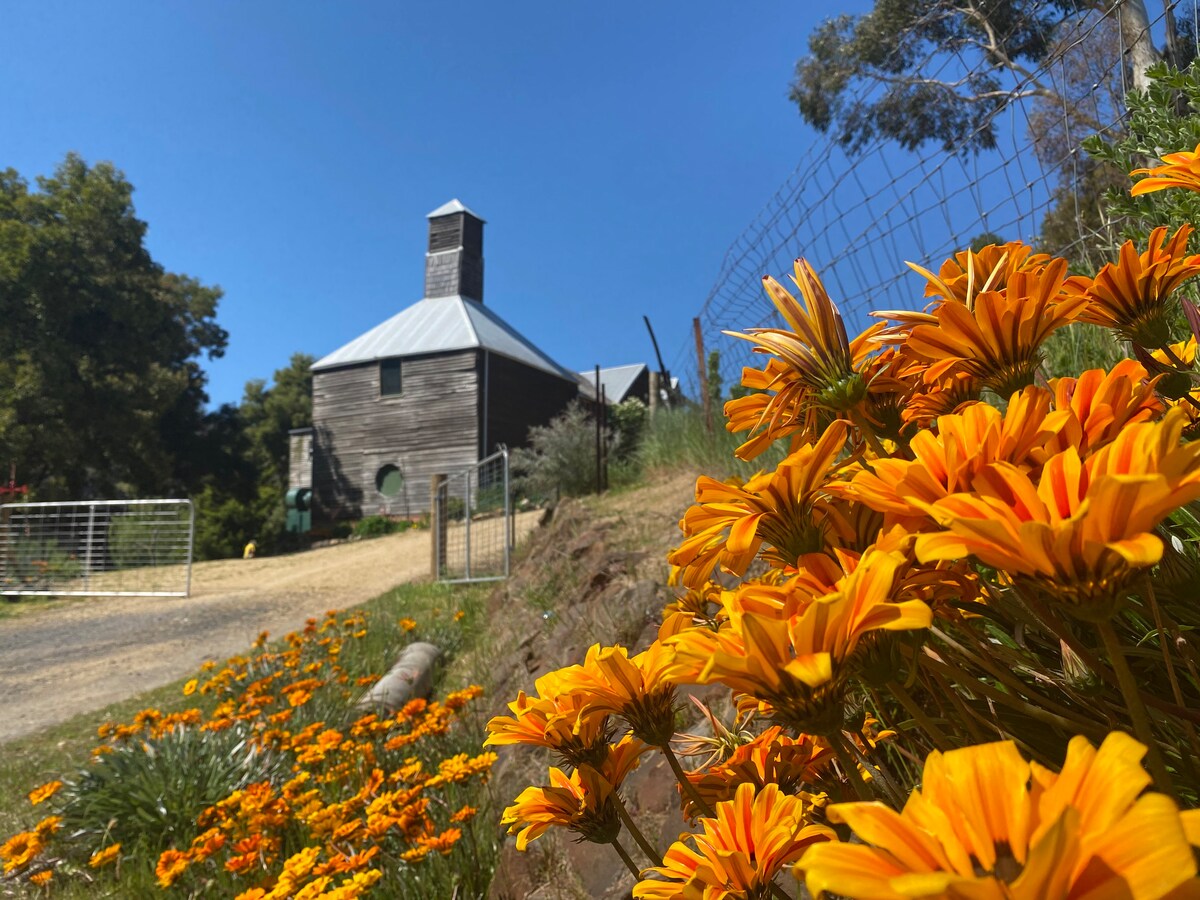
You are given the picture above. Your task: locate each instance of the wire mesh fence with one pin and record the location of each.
(97, 548)
(859, 213)
(473, 523)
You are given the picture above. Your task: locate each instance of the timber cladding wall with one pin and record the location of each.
(432, 426)
(518, 397)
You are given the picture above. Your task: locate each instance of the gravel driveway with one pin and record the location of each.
(75, 656)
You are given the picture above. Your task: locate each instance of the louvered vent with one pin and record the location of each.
(454, 263)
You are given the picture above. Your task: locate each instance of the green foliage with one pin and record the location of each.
(561, 458)
(37, 564)
(99, 348)
(147, 794)
(1166, 118)
(135, 538)
(903, 48)
(678, 439)
(377, 526)
(242, 497)
(1079, 347)
(716, 386)
(627, 422)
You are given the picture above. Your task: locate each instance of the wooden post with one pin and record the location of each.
(437, 527)
(604, 442)
(703, 369)
(599, 414)
(654, 398)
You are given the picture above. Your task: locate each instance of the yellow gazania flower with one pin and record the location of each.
(1179, 384)
(1180, 169)
(739, 853)
(1131, 296)
(818, 373)
(999, 340)
(729, 523)
(795, 665)
(555, 718)
(1084, 530)
(987, 824)
(580, 802)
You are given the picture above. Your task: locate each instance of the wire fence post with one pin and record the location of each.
(87, 546)
(703, 370)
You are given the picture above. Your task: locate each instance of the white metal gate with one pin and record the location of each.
(96, 548)
(473, 525)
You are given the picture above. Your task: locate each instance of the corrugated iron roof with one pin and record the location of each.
(454, 206)
(616, 381)
(440, 325)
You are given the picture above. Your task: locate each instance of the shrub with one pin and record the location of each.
(377, 526)
(561, 458)
(147, 793)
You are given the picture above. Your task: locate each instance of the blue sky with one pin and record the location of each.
(289, 151)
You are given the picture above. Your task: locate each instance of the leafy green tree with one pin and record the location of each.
(100, 347)
(243, 493)
(1164, 119)
(937, 71)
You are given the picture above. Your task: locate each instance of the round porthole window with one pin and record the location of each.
(389, 481)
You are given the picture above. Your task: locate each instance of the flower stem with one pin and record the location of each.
(838, 741)
(631, 827)
(685, 784)
(1160, 627)
(1140, 719)
(919, 716)
(637, 874)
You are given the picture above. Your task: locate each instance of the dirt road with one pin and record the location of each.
(76, 656)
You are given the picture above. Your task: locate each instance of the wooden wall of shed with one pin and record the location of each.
(519, 397)
(432, 426)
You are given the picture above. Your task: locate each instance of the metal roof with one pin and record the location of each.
(616, 381)
(454, 206)
(441, 325)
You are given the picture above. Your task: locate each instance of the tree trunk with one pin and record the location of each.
(1135, 33)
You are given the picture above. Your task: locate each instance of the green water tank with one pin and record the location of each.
(299, 510)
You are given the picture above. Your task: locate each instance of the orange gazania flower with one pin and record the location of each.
(970, 272)
(818, 373)
(792, 660)
(1091, 410)
(637, 688)
(581, 802)
(740, 852)
(45, 792)
(948, 460)
(1131, 296)
(729, 523)
(770, 758)
(987, 824)
(555, 718)
(999, 340)
(1180, 169)
(104, 857)
(1084, 529)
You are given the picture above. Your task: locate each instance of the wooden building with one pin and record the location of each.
(618, 383)
(437, 387)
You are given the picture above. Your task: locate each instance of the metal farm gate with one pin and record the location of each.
(93, 548)
(472, 522)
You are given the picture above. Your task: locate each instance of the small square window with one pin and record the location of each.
(389, 377)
